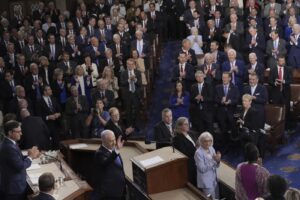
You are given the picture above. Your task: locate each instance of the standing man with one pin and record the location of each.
(13, 164)
(131, 84)
(110, 176)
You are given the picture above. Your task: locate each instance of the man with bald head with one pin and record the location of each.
(109, 172)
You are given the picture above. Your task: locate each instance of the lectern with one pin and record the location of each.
(160, 170)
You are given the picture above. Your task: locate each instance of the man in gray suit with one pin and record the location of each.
(235, 26)
(275, 47)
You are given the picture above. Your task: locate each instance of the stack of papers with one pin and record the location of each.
(78, 146)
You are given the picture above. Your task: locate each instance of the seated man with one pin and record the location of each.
(46, 186)
(163, 130)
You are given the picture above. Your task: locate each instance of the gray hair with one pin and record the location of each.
(164, 111)
(179, 123)
(205, 135)
(105, 133)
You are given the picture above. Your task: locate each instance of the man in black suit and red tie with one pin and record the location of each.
(163, 130)
(109, 173)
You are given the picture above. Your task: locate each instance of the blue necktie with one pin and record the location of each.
(118, 161)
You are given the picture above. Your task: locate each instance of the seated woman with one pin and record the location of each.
(197, 43)
(140, 66)
(207, 161)
(97, 119)
(112, 80)
(185, 143)
(251, 178)
(247, 120)
(180, 101)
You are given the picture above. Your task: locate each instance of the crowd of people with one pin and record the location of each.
(81, 72)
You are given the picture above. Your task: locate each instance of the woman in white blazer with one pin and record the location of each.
(207, 161)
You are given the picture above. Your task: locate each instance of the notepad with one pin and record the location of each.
(151, 161)
(78, 146)
(33, 166)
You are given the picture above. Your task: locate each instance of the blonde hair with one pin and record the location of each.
(179, 122)
(247, 97)
(292, 194)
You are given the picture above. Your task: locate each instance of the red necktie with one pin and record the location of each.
(181, 68)
(280, 74)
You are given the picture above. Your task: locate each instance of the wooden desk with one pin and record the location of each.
(73, 189)
(226, 178)
(79, 157)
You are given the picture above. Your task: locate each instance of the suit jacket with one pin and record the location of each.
(232, 95)
(186, 147)
(30, 56)
(107, 34)
(58, 51)
(250, 119)
(7, 92)
(82, 42)
(43, 196)
(13, 167)
(125, 84)
(18, 75)
(294, 52)
(239, 28)
(90, 50)
(31, 90)
(259, 70)
(14, 108)
(116, 65)
(118, 130)
(208, 98)
(238, 76)
(73, 55)
(209, 78)
(191, 52)
(108, 94)
(259, 48)
(71, 105)
(43, 109)
(275, 93)
(277, 9)
(146, 47)
(87, 87)
(35, 133)
(162, 133)
(206, 168)
(180, 7)
(110, 176)
(272, 57)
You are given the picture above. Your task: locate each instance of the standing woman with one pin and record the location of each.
(185, 143)
(197, 44)
(180, 101)
(207, 162)
(112, 80)
(251, 177)
(59, 87)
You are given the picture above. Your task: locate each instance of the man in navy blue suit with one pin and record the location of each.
(46, 186)
(227, 97)
(109, 173)
(255, 43)
(236, 68)
(294, 58)
(13, 164)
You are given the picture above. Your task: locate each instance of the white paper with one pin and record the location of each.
(78, 146)
(34, 178)
(151, 161)
(33, 166)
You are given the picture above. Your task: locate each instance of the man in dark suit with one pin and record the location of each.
(11, 57)
(293, 57)
(125, 36)
(107, 96)
(141, 45)
(8, 89)
(280, 79)
(201, 105)
(275, 47)
(109, 172)
(102, 33)
(190, 53)
(219, 56)
(255, 67)
(62, 38)
(163, 130)
(110, 61)
(35, 132)
(183, 72)
(73, 49)
(236, 68)
(226, 97)
(77, 108)
(52, 50)
(197, 22)
(46, 187)
(95, 50)
(32, 51)
(33, 83)
(13, 164)
(21, 69)
(231, 39)
(131, 83)
(211, 70)
(119, 50)
(211, 33)
(49, 109)
(20, 94)
(259, 99)
(68, 66)
(255, 42)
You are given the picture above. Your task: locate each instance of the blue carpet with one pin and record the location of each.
(286, 160)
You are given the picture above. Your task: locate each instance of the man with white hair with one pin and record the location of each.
(109, 173)
(141, 45)
(293, 57)
(236, 68)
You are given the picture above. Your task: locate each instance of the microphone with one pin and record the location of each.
(56, 159)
